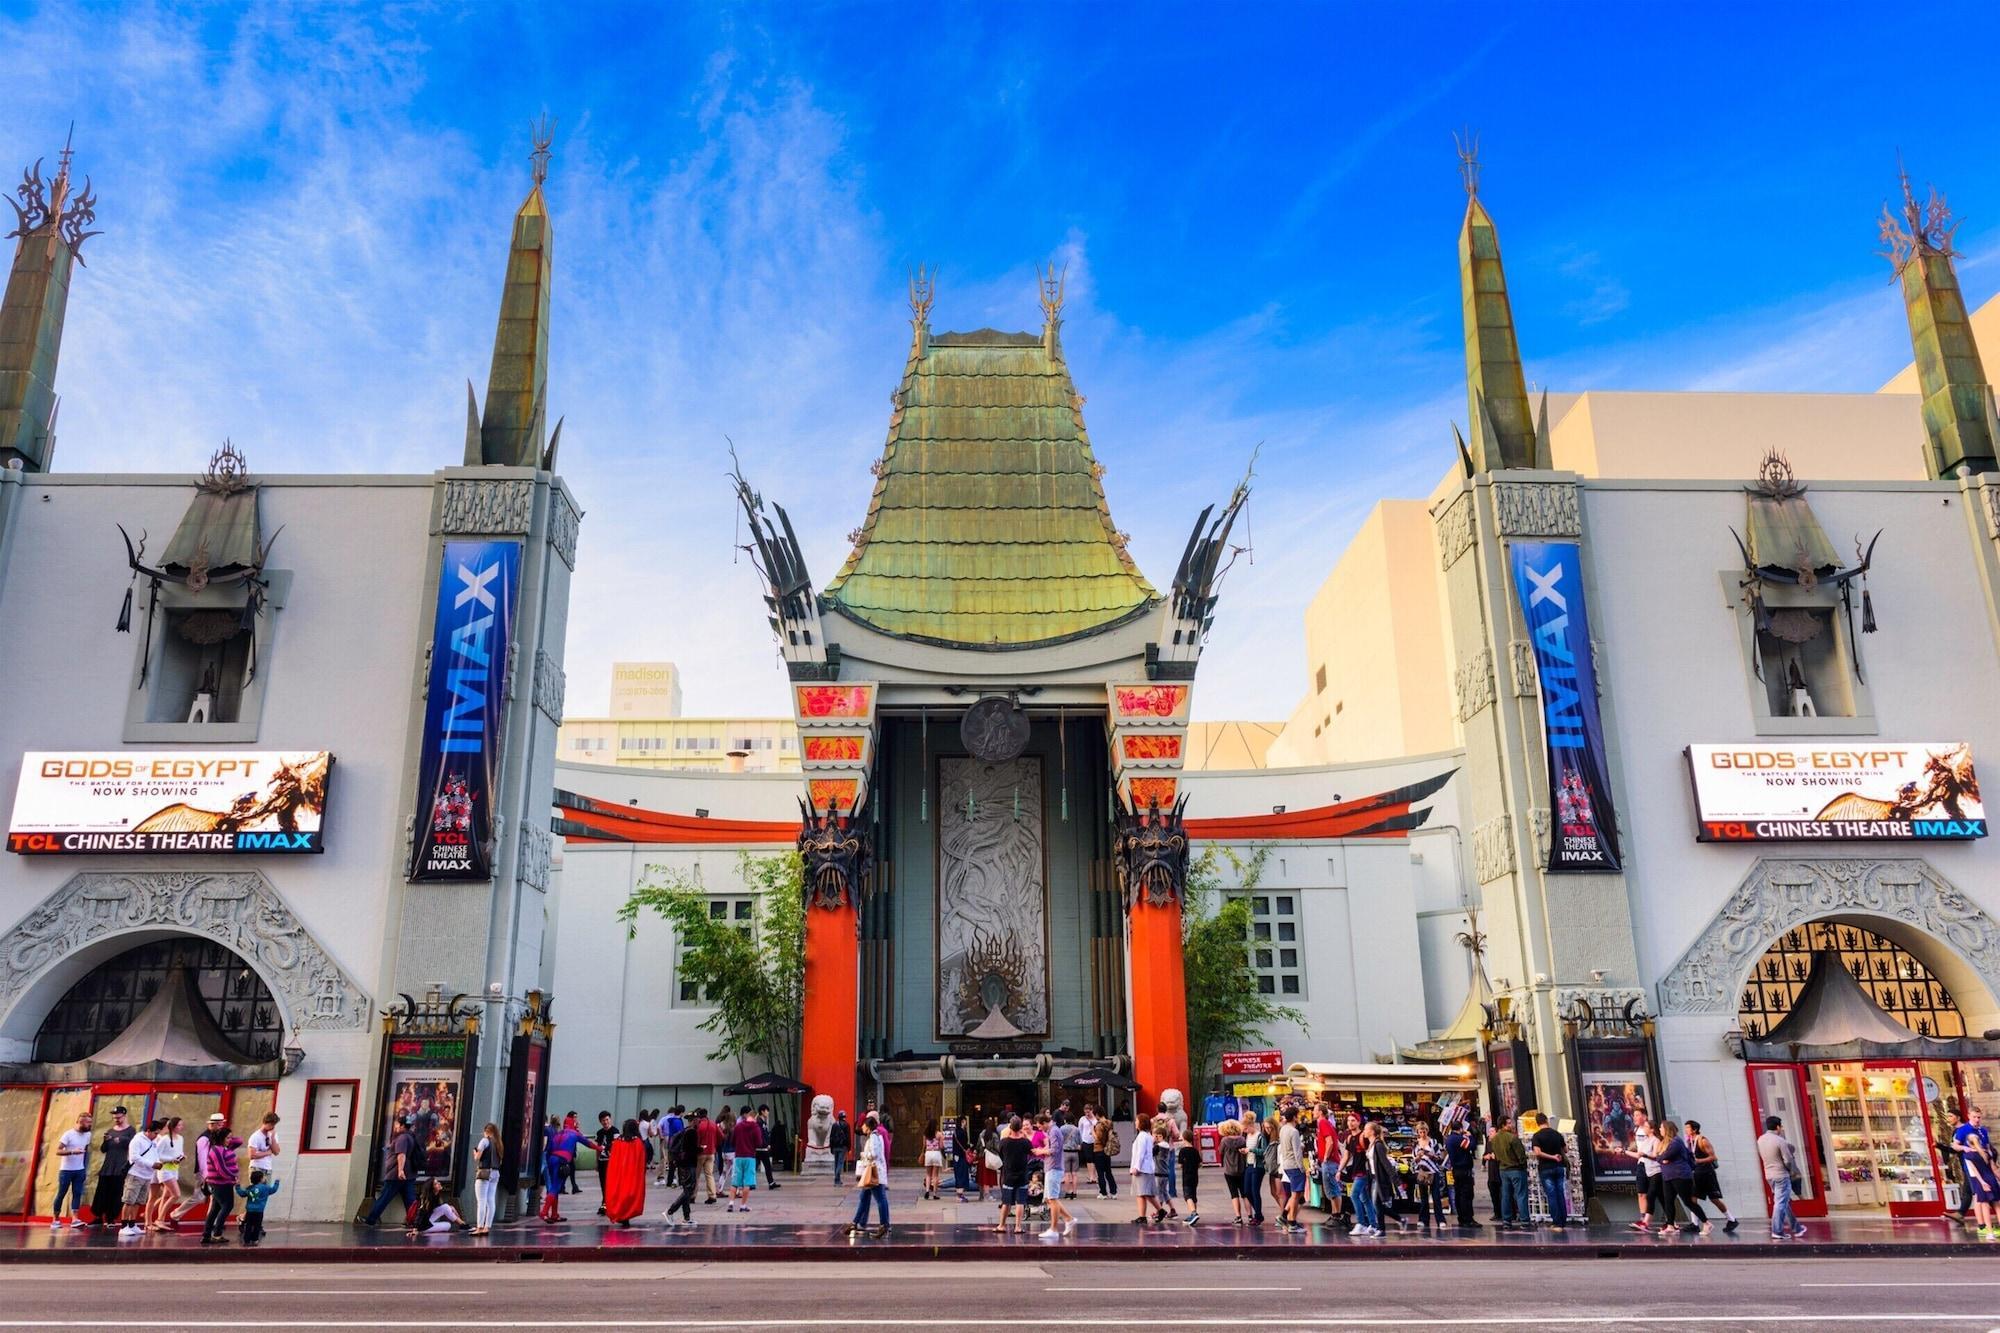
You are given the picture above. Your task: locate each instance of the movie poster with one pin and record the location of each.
(465, 710)
(430, 1097)
(1548, 580)
(1616, 1105)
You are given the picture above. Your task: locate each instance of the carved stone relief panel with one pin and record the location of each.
(537, 847)
(1521, 668)
(1780, 894)
(1454, 529)
(992, 906)
(1537, 509)
(1473, 684)
(550, 685)
(480, 506)
(1493, 849)
(564, 521)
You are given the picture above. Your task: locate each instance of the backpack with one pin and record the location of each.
(1114, 1145)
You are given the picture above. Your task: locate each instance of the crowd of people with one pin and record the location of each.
(150, 1179)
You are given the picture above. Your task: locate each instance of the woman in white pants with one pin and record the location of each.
(485, 1179)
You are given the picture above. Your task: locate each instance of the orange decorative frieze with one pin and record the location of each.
(841, 793)
(1149, 702)
(845, 748)
(1151, 745)
(1146, 792)
(834, 701)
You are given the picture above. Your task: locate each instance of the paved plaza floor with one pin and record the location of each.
(812, 1216)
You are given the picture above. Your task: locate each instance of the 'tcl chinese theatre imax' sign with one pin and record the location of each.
(1867, 792)
(170, 801)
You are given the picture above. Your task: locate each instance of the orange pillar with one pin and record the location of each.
(830, 1045)
(1159, 1002)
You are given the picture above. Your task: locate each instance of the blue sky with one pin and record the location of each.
(306, 210)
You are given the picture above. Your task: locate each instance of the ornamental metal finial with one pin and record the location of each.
(1922, 228)
(923, 291)
(53, 201)
(1052, 284)
(1468, 158)
(544, 132)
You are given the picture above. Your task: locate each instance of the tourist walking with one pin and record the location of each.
(774, 1133)
(1326, 1163)
(1427, 1173)
(486, 1158)
(1017, 1151)
(683, 1152)
(1292, 1166)
(1460, 1156)
(1232, 1159)
(255, 1195)
(1677, 1180)
(1055, 1175)
(1255, 1149)
(933, 1159)
(216, 1129)
(218, 1172)
(1781, 1168)
(1145, 1172)
(1705, 1185)
(839, 1140)
(108, 1199)
(747, 1138)
(625, 1177)
(1646, 1149)
(1071, 1136)
(708, 1138)
(168, 1154)
(138, 1181)
(871, 1179)
(1386, 1180)
(1188, 1165)
(72, 1167)
(1973, 1144)
(1104, 1144)
(605, 1136)
(398, 1171)
(958, 1154)
(725, 1130)
(1509, 1157)
(1165, 1139)
(1358, 1170)
(1550, 1154)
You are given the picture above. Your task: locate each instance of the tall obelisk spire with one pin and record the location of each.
(1503, 426)
(51, 222)
(510, 432)
(1958, 406)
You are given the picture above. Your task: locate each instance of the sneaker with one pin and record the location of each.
(78, 1225)
(1798, 1233)
(1729, 1227)
(1706, 1227)
(1051, 1234)
(129, 1232)
(1193, 1218)
(1638, 1226)
(1069, 1227)
(56, 1224)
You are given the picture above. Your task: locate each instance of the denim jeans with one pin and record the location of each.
(878, 1193)
(839, 1161)
(1554, 1183)
(960, 1175)
(1514, 1196)
(1783, 1221)
(405, 1189)
(1362, 1191)
(68, 1183)
(1107, 1174)
(1253, 1189)
(1430, 1200)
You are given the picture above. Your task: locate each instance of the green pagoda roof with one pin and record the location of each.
(988, 527)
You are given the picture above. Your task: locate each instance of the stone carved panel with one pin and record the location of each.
(1521, 668)
(1540, 826)
(1493, 849)
(550, 685)
(1473, 685)
(1537, 509)
(564, 521)
(1780, 894)
(474, 505)
(1993, 511)
(1601, 999)
(1454, 529)
(992, 911)
(238, 909)
(536, 849)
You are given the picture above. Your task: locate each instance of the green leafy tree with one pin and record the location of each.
(1225, 1010)
(754, 978)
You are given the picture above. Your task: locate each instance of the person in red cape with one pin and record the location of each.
(625, 1180)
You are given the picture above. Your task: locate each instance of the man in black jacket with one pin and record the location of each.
(839, 1139)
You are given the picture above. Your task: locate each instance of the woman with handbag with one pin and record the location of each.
(485, 1179)
(1427, 1164)
(871, 1179)
(1385, 1176)
(1254, 1148)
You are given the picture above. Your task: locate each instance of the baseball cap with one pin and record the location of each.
(119, 1110)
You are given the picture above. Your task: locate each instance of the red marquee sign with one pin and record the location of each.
(1248, 1063)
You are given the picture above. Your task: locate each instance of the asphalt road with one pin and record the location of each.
(1525, 1294)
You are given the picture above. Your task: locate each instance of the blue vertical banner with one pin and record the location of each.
(458, 777)
(1548, 580)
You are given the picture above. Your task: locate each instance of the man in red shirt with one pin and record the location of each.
(1326, 1153)
(747, 1141)
(708, 1140)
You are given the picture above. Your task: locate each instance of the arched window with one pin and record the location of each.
(105, 1002)
(1894, 979)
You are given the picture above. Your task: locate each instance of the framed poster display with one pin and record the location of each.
(330, 1106)
(428, 1079)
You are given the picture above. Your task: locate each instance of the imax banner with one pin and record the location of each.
(1548, 578)
(458, 777)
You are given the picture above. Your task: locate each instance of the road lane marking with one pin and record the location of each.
(1899, 1284)
(353, 1291)
(1249, 1289)
(1623, 1319)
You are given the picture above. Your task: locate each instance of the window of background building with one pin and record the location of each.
(1319, 681)
(1277, 956)
(739, 910)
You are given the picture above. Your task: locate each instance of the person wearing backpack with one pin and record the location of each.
(682, 1152)
(1104, 1141)
(398, 1172)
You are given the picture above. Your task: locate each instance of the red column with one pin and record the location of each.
(1159, 1002)
(830, 1045)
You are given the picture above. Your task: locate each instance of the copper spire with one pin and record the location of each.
(512, 427)
(52, 221)
(544, 134)
(1960, 425)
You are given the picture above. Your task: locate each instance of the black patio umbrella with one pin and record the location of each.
(766, 1085)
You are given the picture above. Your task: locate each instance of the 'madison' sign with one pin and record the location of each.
(169, 801)
(1863, 791)
(458, 774)
(1548, 580)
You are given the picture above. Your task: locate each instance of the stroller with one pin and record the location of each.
(1038, 1201)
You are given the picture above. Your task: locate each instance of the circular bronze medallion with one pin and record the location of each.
(994, 730)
